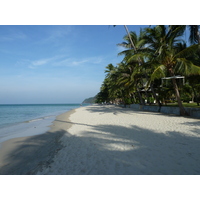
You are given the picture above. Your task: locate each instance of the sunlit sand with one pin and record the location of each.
(114, 140)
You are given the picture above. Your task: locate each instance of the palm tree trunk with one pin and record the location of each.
(182, 109)
(195, 94)
(130, 38)
(140, 98)
(133, 96)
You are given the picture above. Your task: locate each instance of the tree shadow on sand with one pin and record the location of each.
(107, 150)
(136, 150)
(118, 110)
(31, 154)
(103, 109)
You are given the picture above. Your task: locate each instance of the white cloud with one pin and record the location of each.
(62, 62)
(40, 62)
(44, 61)
(78, 62)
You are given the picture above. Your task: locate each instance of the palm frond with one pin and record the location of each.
(188, 51)
(140, 44)
(186, 67)
(136, 57)
(159, 72)
(125, 45)
(126, 52)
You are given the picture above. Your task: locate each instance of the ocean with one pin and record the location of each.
(21, 120)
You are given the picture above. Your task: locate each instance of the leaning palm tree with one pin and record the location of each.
(171, 56)
(131, 41)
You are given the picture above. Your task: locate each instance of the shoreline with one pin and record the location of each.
(29, 119)
(26, 155)
(110, 140)
(26, 129)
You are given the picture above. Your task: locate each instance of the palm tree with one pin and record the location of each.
(129, 80)
(109, 68)
(171, 55)
(133, 55)
(111, 83)
(128, 33)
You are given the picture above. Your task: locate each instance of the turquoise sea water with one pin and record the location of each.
(16, 113)
(19, 120)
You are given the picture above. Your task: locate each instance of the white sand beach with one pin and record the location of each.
(108, 140)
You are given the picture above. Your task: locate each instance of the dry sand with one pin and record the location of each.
(112, 140)
(101, 140)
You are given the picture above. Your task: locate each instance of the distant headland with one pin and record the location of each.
(89, 100)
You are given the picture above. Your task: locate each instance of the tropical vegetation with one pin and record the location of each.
(158, 67)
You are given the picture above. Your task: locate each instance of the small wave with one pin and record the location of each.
(49, 116)
(38, 119)
(33, 120)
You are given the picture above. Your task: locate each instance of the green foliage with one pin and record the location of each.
(159, 51)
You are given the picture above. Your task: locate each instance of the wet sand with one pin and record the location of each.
(27, 155)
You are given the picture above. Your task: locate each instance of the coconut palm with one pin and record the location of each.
(110, 83)
(134, 55)
(171, 56)
(129, 79)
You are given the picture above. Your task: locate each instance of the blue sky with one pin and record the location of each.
(56, 64)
